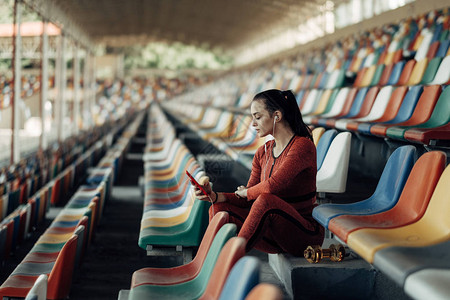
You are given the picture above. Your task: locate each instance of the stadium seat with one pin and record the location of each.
(320, 107)
(439, 116)
(378, 108)
(395, 73)
(323, 145)
(332, 176)
(443, 48)
(421, 110)
(336, 79)
(430, 71)
(431, 136)
(335, 109)
(386, 74)
(352, 107)
(431, 229)
(265, 291)
(432, 283)
(232, 254)
(368, 76)
(417, 72)
(443, 73)
(317, 134)
(39, 289)
(243, 277)
(390, 112)
(398, 263)
(386, 194)
(207, 253)
(187, 234)
(377, 75)
(19, 283)
(311, 101)
(207, 285)
(411, 205)
(406, 72)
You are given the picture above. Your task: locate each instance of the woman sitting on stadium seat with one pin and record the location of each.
(273, 212)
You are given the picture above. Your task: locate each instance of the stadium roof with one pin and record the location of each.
(229, 25)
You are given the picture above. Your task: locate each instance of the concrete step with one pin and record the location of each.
(352, 278)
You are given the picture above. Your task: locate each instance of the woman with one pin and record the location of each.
(274, 211)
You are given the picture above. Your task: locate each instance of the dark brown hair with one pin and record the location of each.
(285, 102)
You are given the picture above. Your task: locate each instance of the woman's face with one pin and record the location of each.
(262, 121)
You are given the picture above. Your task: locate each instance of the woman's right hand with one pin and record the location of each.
(204, 182)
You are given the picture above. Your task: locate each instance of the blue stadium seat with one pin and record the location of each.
(386, 195)
(242, 278)
(323, 146)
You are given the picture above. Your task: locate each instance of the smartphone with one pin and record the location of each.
(196, 183)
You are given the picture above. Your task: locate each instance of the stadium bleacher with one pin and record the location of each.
(378, 105)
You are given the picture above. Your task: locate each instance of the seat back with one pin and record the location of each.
(233, 250)
(80, 233)
(219, 219)
(441, 112)
(3, 235)
(321, 81)
(357, 103)
(339, 103)
(368, 102)
(302, 98)
(242, 278)
(406, 72)
(56, 191)
(394, 176)
(443, 73)
(39, 289)
(396, 72)
(443, 48)
(417, 192)
(432, 283)
(317, 134)
(60, 278)
(386, 74)
(394, 104)
(417, 72)
(299, 97)
(432, 50)
(368, 76)
(323, 146)
(377, 75)
(323, 102)
(379, 104)
(348, 102)
(436, 215)
(336, 79)
(311, 101)
(425, 106)
(424, 45)
(359, 77)
(408, 105)
(332, 176)
(431, 70)
(265, 291)
(331, 101)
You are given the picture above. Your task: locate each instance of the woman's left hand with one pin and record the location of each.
(241, 192)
